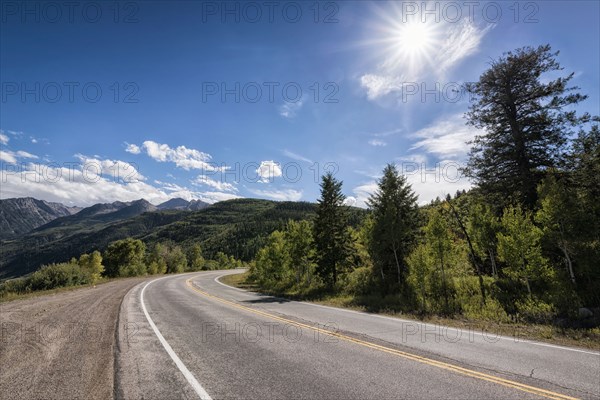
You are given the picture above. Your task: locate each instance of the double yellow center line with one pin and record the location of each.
(424, 360)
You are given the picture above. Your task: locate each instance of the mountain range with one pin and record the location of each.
(19, 216)
(236, 227)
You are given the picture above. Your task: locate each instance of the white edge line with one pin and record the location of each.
(226, 285)
(200, 391)
(554, 346)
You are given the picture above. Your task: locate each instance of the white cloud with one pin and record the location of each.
(428, 182)
(220, 186)
(214, 197)
(8, 157)
(380, 85)
(279, 195)
(437, 180)
(295, 156)
(363, 192)
(133, 148)
(377, 143)
(3, 138)
(83, 187)
(73, 186)
(446, 137)
(24, 154)
(268, 170)
(120, 170)
(11, 157)
(289, 109)
(181, 156)
(34, 140)
(350, 201)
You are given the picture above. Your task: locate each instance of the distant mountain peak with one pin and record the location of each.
(181, 204)
(19, 216)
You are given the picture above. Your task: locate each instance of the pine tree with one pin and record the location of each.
(395, 224)
(526, 126)
(331, 236)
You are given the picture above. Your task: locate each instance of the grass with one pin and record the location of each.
(586, 338)
(10, 296)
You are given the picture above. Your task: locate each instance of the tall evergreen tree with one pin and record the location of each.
(395, 225)
(331, 234)
(525, 122)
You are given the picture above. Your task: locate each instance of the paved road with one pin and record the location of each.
(189, 336)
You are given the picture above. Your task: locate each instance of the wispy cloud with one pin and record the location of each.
(446, 137)
(289, 109)
(3, 138)
(458, 41)
(377, 143)
(380, 85)
(220, 186)
(387, 133)
(295, 156)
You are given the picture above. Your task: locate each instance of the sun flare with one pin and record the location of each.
(414, 38)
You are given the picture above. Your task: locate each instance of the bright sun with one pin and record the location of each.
(414, 39)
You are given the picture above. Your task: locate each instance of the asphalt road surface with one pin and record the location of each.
(189, 336)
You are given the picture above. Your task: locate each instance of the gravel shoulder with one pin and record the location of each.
(61, 346)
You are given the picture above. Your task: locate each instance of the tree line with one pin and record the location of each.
(523, 244)
(122, 258)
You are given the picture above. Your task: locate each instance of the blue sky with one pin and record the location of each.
(219, 100)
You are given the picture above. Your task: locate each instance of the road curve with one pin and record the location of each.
(189, 336)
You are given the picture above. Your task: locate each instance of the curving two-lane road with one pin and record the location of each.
(189, 336)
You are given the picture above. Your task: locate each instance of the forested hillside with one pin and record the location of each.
(523, 245)
(235, 227)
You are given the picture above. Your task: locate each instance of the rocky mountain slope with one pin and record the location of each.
(22, 215)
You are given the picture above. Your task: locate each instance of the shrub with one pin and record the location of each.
(358, 282)
(535, 310)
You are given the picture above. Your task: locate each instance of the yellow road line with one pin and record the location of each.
(424, 360)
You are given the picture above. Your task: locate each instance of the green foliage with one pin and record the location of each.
(331, 236)
(526, 124)
(272, 264)
(125, 258)
(438, 236)
(395, 224)
(519, 247)
(176, 260)
(93, 264)
(156, 259)
(421, 265)
(57, 275)
(300, 247)
(195, 258)
(359, 282)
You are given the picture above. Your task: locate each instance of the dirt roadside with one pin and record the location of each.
(61, 346)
